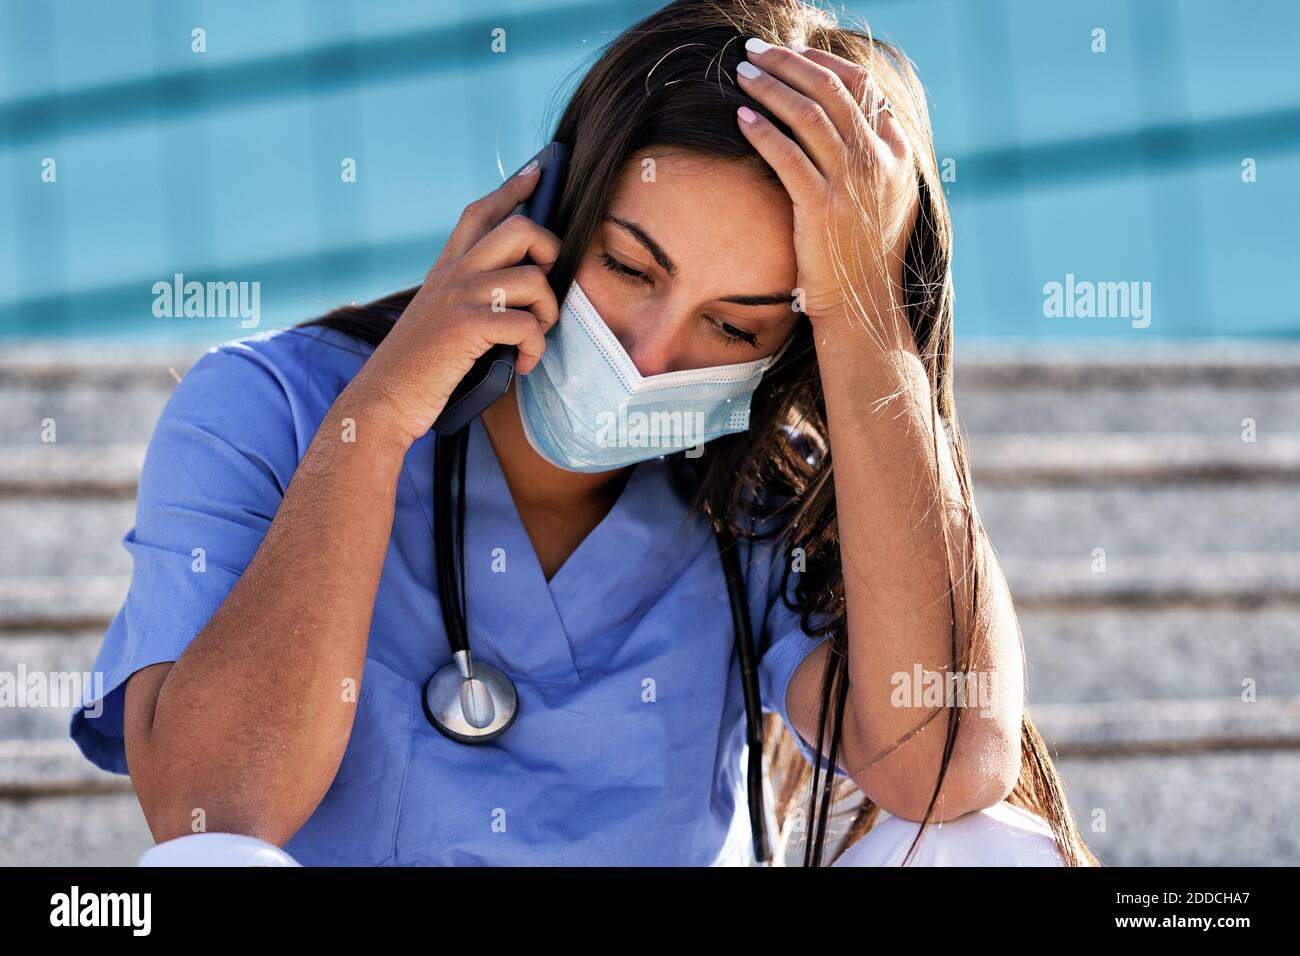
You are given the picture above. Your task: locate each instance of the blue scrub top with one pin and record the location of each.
(629, 743)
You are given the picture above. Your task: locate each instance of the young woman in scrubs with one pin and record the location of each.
(747, 181)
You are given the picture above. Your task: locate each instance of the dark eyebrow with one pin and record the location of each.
(668, 266)
(774, 299)
(643, 237)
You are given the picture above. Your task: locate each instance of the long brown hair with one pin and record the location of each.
(666, 84)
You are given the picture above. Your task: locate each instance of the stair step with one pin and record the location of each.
(1167, 389)
(980, 365)
(1093, 653)
(110, 470)
(103, 829)
(102, 365)
(82, 413)
(1245, 580)
(48, 766)
(1141, 653)
(93, 394)
(59, 603)
(1075, 656)
(1224, 365)
(81, 533)
(68, 537)
(1192, 408)
(1148, 727)
(49, 653)
(1136, 520)
(1088, 457)
(1179, 810)
(1241, 580)
(126, 412)
(98, 394)
(1221, 808)
(62, 470)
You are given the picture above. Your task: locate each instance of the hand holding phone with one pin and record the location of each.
(490, 377)
(482, 307)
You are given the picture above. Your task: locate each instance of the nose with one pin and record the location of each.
(657, 342)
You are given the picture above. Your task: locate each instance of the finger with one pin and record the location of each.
(805, 116)
(865, 91)
(484, 213)
(520, 287)
(507, 244)
(791, 164)
(815, 82)
(520, 328)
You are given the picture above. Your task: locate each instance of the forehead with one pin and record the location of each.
(715, 218)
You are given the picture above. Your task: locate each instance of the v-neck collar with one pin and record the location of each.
(535, 629)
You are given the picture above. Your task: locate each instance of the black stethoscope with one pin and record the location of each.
(473, 703)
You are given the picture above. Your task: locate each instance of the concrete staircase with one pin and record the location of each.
(1136, 672)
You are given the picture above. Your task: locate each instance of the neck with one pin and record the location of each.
(532, 479)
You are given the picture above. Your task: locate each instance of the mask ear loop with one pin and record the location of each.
(779, 359)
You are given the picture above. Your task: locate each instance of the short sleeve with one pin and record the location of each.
(787, 644)
(214, 473)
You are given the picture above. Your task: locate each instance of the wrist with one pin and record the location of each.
(870, 302)
(366, 417)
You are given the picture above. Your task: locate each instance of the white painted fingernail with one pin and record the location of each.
(748, 70)
(532, 164)
(755, 45)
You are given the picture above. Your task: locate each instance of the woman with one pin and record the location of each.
(770, 213)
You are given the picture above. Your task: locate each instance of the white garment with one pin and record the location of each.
(1001, 835)
(216, 849)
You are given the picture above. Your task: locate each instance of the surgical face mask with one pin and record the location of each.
(585, 407)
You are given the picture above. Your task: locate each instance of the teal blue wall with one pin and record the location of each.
(226, 165)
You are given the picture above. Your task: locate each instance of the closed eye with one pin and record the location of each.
(624, 271)
(730, 334)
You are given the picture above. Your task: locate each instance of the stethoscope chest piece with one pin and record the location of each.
(470, 702)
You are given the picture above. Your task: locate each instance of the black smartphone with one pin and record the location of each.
(490, 377)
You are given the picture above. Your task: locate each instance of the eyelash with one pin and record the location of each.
(628, 274)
